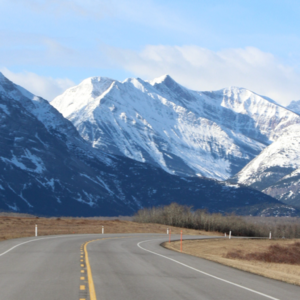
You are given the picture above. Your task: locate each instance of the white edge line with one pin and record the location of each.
(35, 240)
(207, 274)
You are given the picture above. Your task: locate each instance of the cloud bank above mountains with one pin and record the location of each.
(204, 45)
(203, 69)
(42, 86)
(192, 66)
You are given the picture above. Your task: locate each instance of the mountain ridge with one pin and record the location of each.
(189, 133)
(274, 167)
(43, 172)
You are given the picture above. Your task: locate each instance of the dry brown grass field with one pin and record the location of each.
(19, 226)
(217, 250)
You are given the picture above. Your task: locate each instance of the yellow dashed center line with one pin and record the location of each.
(92, 291)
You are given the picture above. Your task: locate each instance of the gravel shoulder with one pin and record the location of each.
(217, 249)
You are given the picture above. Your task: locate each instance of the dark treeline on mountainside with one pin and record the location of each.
(186, 217)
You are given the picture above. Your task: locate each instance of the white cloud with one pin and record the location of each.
(46, 87)
(202, 69)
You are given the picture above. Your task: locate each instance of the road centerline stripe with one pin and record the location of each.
(89, 274)
(88, 267)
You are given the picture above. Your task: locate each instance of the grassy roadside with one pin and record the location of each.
(216, 250)
(15, 227)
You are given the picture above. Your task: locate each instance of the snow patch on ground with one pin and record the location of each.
(13, 207)
(91, 202)
(105, 185)
(40, 167)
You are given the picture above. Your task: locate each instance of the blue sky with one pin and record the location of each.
(48, 46)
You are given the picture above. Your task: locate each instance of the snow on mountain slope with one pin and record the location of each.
(41, 174)
(239, 109)
(49, 117)
(287, 189)
(275, 162)
(211, 134)
(36, 105)
(294, 106)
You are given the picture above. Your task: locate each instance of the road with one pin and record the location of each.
(123, 266)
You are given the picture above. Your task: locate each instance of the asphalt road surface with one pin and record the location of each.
(122, 266)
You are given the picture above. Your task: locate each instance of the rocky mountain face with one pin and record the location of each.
(44, 162)
(184, 132)
(47, 168)
(287, 189)
(294, 106)
(276, 170)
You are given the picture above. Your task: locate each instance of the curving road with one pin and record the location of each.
(123, 266)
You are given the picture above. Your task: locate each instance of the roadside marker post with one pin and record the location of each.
(225, 234)
(181, 241)
(102, 229)
(229, 234)
(270, 235)
(36, 230)
(170, 236)
(167, 230)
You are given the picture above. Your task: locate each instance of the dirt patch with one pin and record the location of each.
(16, 227)
(218, 249)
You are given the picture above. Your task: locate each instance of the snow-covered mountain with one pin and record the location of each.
(276, 170)
(53, 120)
(185, 132)
(47, 168)
(294, 106)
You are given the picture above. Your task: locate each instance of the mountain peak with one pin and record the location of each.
(3, 79)
(13, 90)
(294, 106)
(93, 86)
(245, 93)
(166, 79)
(96, 81)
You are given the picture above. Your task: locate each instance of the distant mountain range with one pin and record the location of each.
(185, 132)
(134, 144)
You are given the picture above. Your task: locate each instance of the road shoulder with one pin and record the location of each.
(216, 250)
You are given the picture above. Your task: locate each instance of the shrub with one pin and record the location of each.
(183, 216)
(275, 254)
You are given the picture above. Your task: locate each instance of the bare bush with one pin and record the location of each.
(275, 254)
(183, 216)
